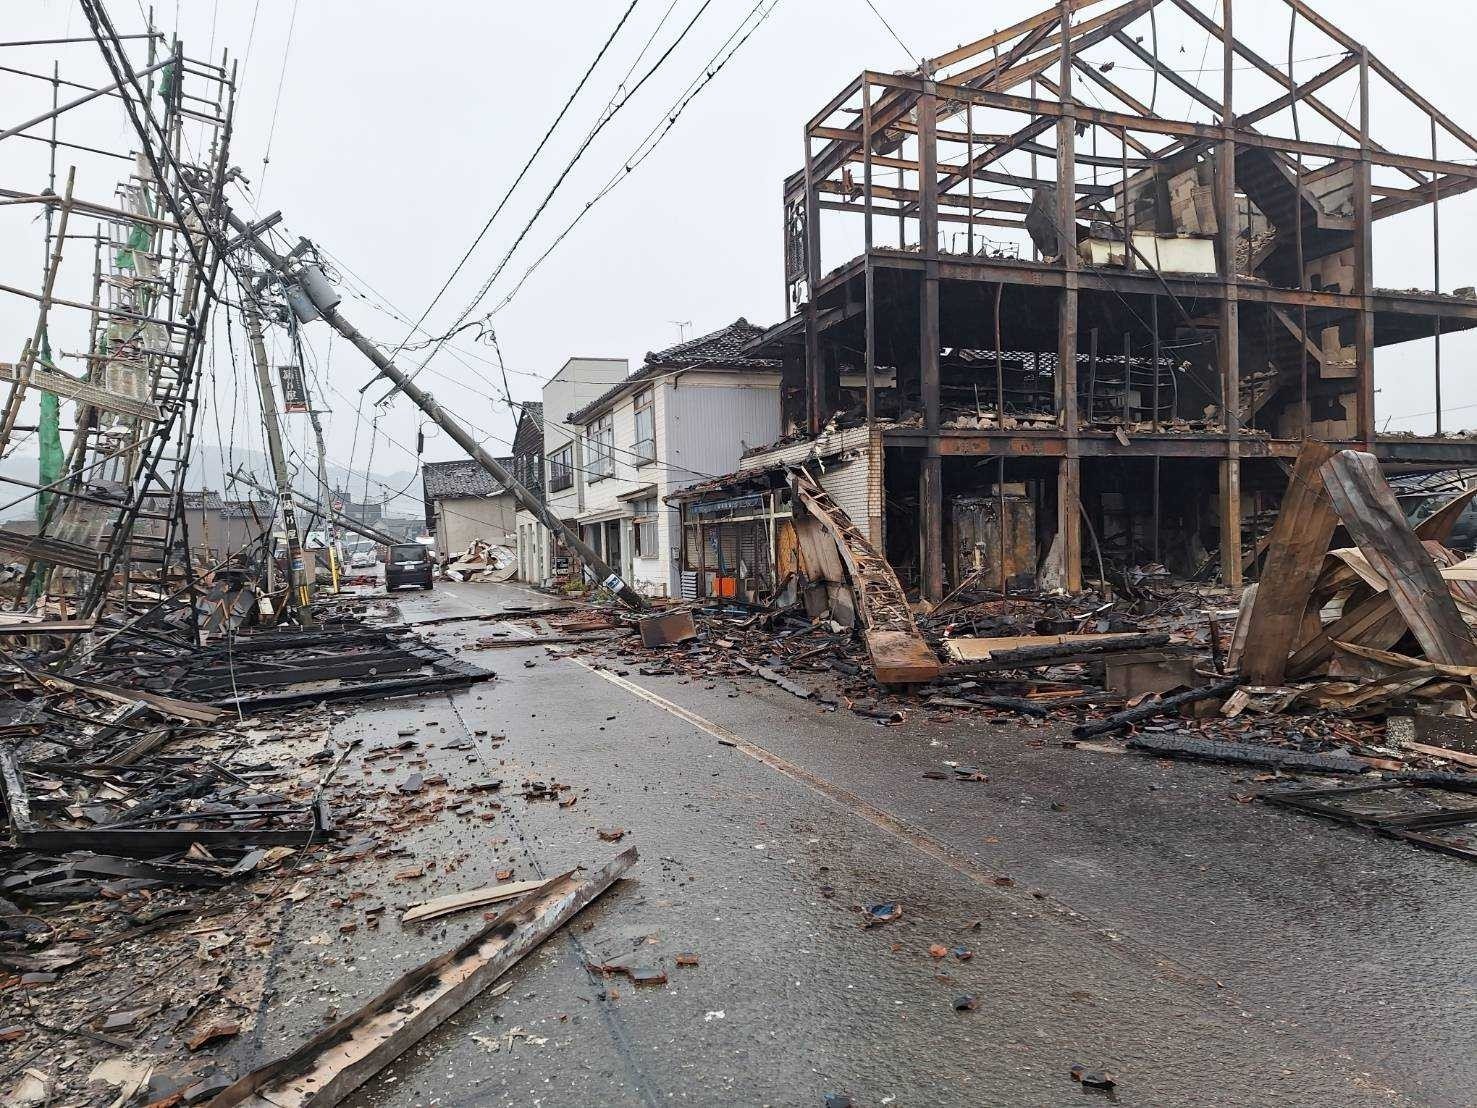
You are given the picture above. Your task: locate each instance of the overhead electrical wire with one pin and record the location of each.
(895, 36)
(553, 189)
(643, 150)
(522, 173)
(277, 102)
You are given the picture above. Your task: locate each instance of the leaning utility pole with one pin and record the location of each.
(300, 587)
(323, 489)
(312, 297)
(316, 509)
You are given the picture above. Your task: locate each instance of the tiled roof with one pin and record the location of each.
(198, 499)
(725, 349)
(528, 437)
(245, 509)
(459, 479)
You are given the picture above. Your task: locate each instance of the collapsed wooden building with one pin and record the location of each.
(1050, 280)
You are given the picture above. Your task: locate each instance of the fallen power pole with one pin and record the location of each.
(299, 585)
(316, 509)
(312, 297)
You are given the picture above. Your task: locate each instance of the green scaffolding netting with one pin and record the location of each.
(53, 457)
(140, 238)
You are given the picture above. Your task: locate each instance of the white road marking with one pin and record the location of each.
(885, 821)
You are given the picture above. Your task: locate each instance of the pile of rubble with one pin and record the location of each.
(165, 797)
(1354, 656)
(482, 561)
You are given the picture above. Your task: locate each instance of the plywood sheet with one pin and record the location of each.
(978, 649)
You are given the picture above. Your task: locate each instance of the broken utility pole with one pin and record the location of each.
(298, 583)
(316, 295)
(316, 510)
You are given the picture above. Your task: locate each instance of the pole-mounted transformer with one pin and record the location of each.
(311, 296)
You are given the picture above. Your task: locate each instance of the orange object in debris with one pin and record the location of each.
(725, 586)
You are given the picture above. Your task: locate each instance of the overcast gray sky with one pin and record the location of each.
(400, 126)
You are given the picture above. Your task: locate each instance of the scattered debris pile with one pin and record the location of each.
(150, 782)
(1360, 618)
(482, 561)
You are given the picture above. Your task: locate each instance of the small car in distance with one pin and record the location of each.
(408, 563)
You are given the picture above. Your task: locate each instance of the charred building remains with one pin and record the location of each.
(1056, 280)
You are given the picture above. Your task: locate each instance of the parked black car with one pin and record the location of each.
(407, 564)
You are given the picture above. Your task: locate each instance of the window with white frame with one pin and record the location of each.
(643, 527)
(645, 446)
(601, 437)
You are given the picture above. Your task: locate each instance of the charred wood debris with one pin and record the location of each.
(165, 801)
(1353, 659)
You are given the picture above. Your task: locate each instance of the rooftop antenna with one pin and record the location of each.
(682, 325)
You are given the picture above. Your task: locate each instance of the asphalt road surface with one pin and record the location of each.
(1117, 913)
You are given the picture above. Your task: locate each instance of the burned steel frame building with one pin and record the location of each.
(1024, 274)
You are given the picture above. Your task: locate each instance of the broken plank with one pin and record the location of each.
(472, 898)
(339, 1059)
(1155, 708)
(1300, 539)
(1437, 526)
(1238, 632)
(1375, 622)
(84, 392)
(775, 679)
(1374, 518)
(1458, 756)
(164, 705)
(47, 627)
(1245, 754)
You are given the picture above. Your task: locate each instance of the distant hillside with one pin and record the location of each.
(206, 473)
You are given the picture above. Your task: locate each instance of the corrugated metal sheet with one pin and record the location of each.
(708, 428)
(828, 445)
(850, 486)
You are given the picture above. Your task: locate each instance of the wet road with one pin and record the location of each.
(1121, 914)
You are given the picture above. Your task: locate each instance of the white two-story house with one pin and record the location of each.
(541, 557)
(687, 415)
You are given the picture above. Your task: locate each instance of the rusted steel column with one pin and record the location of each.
(1364, 267)
(930, 489)
(1228, 348)
(815, 389)
(1069, 475)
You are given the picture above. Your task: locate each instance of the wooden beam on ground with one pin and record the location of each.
(1300, 539)
(1375, 520)
(473, 898)
(326, 1069)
